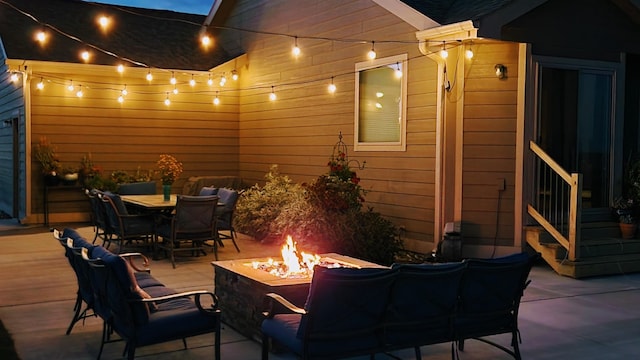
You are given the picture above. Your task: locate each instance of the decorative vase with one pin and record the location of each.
(166, 191)
(628, 230)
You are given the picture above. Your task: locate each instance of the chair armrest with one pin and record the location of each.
(279, 305)
(196, 294)
(131, 256)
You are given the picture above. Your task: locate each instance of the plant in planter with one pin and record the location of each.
(625, 209)
(45, 153)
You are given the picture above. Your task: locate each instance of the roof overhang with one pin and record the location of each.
(407, 14)
(431, 39)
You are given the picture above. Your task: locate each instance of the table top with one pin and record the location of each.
(154, 202)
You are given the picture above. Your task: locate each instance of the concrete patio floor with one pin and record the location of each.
(560, 318)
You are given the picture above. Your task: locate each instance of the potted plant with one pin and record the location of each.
(169, 169)
(50, 166)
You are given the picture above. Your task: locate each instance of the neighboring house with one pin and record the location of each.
(562, 74)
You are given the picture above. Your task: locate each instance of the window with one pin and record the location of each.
(381, 94)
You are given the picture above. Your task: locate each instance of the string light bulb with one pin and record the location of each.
(398, 71)
(332, 87)
(120, 68)
(167, 102)
(372, 53)
(234, 75)
(14, 77)
(210, 81)
(175, 89)
(223, 80)
(216, 100)
(120, 99)
(444, 53)
(85, 55)
(272, 95)
(173, 79)
(40, 84)
(149, 76)
(71, 87)
(124, 91)
(41, 37)
(192, 82)
(205, 40)
(79, 93)
(468, 54)
(104, 22)
(295, 50)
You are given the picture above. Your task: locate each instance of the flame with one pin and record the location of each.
(294, 263)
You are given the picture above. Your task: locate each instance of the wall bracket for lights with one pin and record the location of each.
(501, 71)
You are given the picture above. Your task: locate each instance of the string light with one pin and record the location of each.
(79, 93)
(14, 77)
(124, 91)
(40, 84)
(398, 72)
(205, 40)
(175, 89)
(372, 53)
(468, 54)
(192, 82)
(173, 79)
(71, 87)
(120, 99)
(41, 37)
(149, 76)
(332, 87)
(223, 80)
(104, 22)
(85, 55)
(120, 68)
(444, 53)
(234, 75)
(295, 50)
(216, 100)
(210, 81)
(166, 100)
(272, 95)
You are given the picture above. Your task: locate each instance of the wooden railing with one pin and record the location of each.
(557, 204)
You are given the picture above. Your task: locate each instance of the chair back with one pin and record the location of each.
(423, 303)
(491, 293)
(195, 215)
(225, 216)
(344, 310)
(98, 212)
(114, 208)
(208, 190)
(73, 250)
(138, 188)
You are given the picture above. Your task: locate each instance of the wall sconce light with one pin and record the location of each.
(501, 71)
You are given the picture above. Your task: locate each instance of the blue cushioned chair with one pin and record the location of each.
(490, 298)
(224, 222)
(138, 188)
(341, 317)
(126, 227)
(98, 216)
(208, 190)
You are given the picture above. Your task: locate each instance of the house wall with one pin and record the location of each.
(11, 107)
(133, 134)
(299, 130)
(489, 148)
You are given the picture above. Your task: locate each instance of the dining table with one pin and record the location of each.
(156, 202)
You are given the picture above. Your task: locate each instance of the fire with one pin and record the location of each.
(294, 263)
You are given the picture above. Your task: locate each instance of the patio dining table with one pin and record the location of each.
(155, 202)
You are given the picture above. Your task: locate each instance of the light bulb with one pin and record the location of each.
(192, 82)
(205, 40)
(41, 36)
(149, 76)
(468, 54)
(120, 68)
(216, 100)
(167, 101)
(70, 87)
(15, 77)
(272, 95)
(444, 53)
(104, 21)
(85, 55)
(332, 87)
(223, 80)
(210, 81)
(175, 90)
(40, 84)
(120, 99)
(398, 72)
(295, 50)
(124, 91)
(234, 75)
(173, 79)
(79, 93)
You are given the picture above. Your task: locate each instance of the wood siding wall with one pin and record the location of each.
(489, 149)
(133, 134)
(299, 130)
(11, 107)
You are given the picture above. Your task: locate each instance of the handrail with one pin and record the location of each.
(557, 206)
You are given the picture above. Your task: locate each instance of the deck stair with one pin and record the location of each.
(602, 251)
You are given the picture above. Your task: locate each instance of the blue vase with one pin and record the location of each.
(166, 191)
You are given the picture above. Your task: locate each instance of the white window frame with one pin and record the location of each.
(401, 145)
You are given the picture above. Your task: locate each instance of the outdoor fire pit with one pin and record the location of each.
(241, 285)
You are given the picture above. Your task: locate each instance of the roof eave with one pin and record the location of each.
(431, 38)
(407, 14)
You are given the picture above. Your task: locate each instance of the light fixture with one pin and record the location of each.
(223, 80)
(104, 22)
(41, 37)
(398, 72)
(149, 76)
(210, 81)
(192, 82)
(15, 77)
(175, 89)
(234, 75)
(124, 91)
(444, 53)
(120, 68)
(216, 100)
(166, 100)
(120, 99)
(40, 84)
(468, 53)
(332, 87)
(79, 93)
(85, 55)
(501, 71)
(205, 40)
(372, 53)
(173, 79)
(272, 95)
(71, 87)
(295, 50)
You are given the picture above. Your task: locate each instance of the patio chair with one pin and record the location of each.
(224, 220)
(98, 216)
(125, 227)
(192, 224)
(490, 299)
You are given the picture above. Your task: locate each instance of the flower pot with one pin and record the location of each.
(70, 179)
(628, 230)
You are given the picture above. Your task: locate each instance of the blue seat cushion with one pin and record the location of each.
(117, 201)
(208, 190)
(284, 328)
